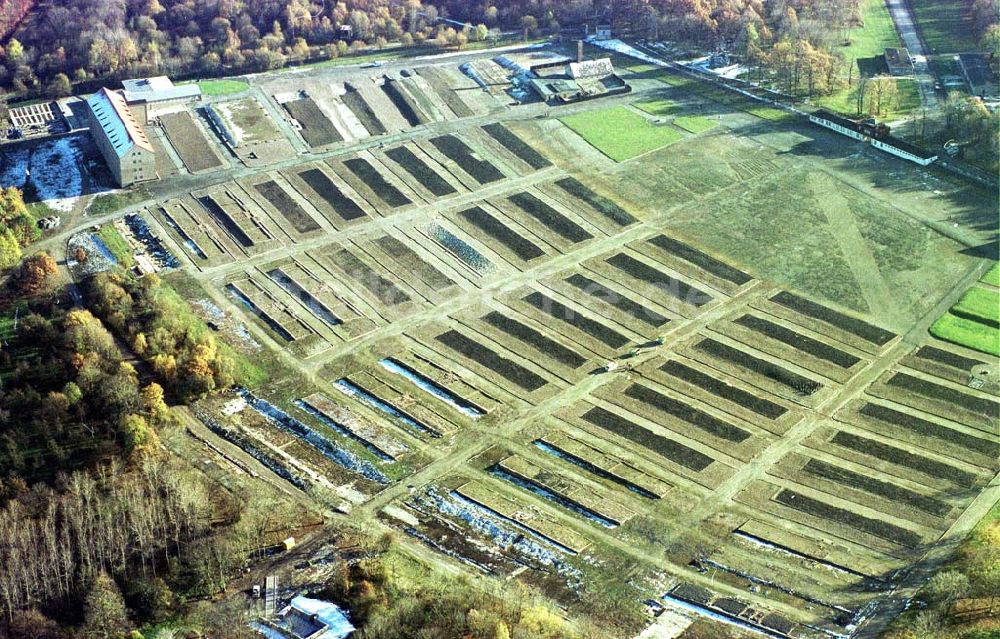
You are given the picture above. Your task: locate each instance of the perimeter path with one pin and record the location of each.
(906, 26)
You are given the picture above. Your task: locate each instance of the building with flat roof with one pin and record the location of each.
(143, 95)
(121, 139)
(557, 82)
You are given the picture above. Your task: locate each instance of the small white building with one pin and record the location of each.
(836, 123)
(144, 95)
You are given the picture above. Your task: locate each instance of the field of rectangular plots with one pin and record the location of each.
(473, 312)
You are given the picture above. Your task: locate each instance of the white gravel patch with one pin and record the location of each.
(52, 167)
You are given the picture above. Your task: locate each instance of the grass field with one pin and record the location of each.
(117, 245)
(964, 332)
(973, 320)
(695, 123)
(877, 33)
(992, 276)
(222, 87)
(979, 303)
(945, 25)
(111, 202)
(723, 96)
(619, 133)
(662, 106)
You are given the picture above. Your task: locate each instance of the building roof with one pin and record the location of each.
(837, 119)
(912, 149)
(108, 109)
(157, 89)
(591, 68)
(888, 140)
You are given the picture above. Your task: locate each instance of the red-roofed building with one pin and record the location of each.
(121, 138)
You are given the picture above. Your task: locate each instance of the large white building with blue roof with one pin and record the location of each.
(121, 138)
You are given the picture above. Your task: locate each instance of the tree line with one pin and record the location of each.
(57, 43)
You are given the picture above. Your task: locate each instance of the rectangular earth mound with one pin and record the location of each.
(801, 385)
(324, 187)
(559, 311)
(225, 221)
(931, 390)
(948, 358)
(460, 153)
(376, 182)
(930, 429)
(872, 486)
(672, 286)
(424, 174)
(719, 388)
(516, 145)
(864, 330)
(617, 300)
(903, 458)
(701, 260)
(363, 112)
(513, 240)
(441, 84)
(383, 289)
(881, 529)
(798, 341)
(550, 218)
(189, 142)
(317, 129)
(686, 413)
(509, 370)
(599, 203)
(407, 256)
(287, 207)
(667, 448)
(524, 333)
(404, 104)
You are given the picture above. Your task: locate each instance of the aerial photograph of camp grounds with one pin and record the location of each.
(499, 319)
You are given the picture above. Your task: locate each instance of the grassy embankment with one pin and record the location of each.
(975, 320)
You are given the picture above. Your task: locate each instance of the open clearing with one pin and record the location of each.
(945, 25)
(453, 294)
(619, 133)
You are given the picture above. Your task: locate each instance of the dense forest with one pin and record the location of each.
(49, 44)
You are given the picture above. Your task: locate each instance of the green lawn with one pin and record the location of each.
(945, 24)
(979, 303)
(111, 202)
(695, 123)
(992, 276)
(222, 87)
(845, 100)
(117, 245)
(877, 33)
(722, 96)
(964, 332)
(619, 133)
(973, 320)
(661, 106)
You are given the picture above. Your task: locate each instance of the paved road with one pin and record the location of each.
(907, 29)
